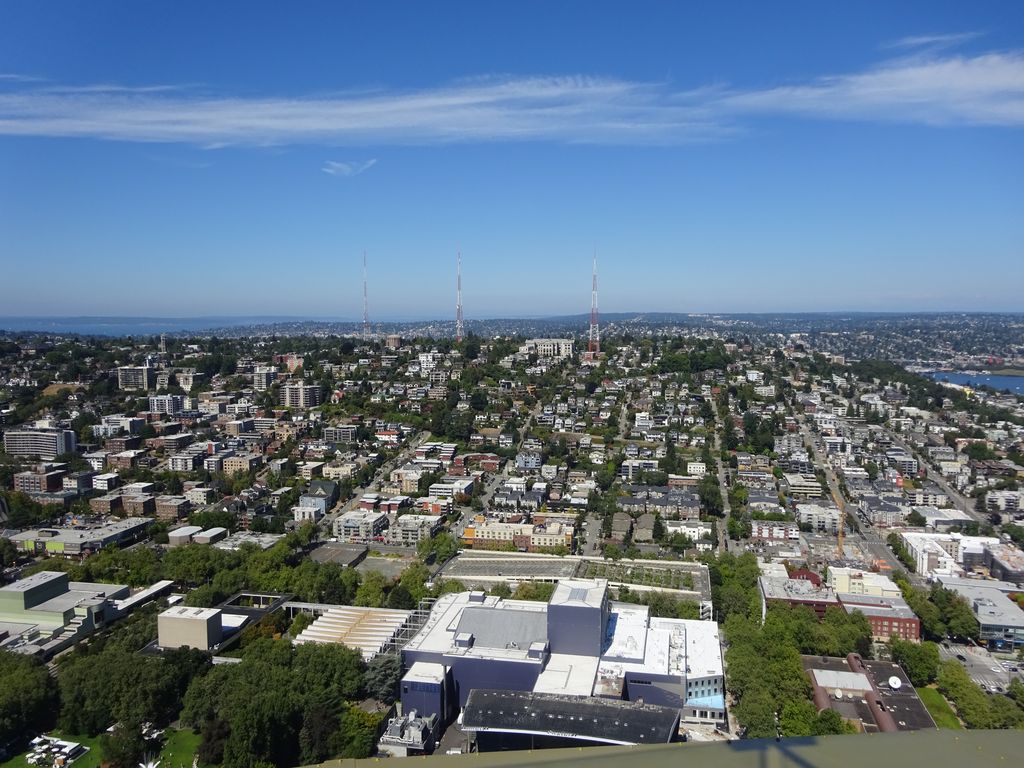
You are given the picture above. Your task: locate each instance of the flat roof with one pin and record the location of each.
(582, 593)
(680, 647)
(493, 626)
(795, 589)
(239, 538)
(33, 581)
(472, 567)
(96, 533)
(871, 605)
(832, 680)
(989, 600)
(425, 672)
(188, 612)
(437, 635)
(590, 719)
(568, 674)
(337, 552)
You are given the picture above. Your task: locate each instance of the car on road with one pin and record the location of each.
(961, 657)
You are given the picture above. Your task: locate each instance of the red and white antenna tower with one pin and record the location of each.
(594, 345)
(366, 305)
(459, 329)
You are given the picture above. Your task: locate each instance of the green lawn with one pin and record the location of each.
(90, 759)
(939, 709)
(179, 749)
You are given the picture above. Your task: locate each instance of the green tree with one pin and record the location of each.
(919, 660)
(382, 676)
(798, 718)
(372, 591)
(972, 705)
(358, 735)
(756, 711)
(8, 553)
(916, 519)
(29, 697)
(299, 623)
(124, 747)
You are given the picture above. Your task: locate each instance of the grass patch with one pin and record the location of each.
(179, 749)
(939, 709)
(90, 759)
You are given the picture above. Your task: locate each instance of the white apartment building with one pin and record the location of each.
(300, 395)
(819, 518)
(46, 443)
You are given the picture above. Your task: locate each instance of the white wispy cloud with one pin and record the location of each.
(15, 77)
(939, 41)
(981, 90)
(930, 89)
(348, 168)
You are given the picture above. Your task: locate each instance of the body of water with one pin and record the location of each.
(1013, 383)
(129, 326)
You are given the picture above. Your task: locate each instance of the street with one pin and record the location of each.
(954, 495)
(723, 539)
(986, 670)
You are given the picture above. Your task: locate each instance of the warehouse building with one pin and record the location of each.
(74, 542)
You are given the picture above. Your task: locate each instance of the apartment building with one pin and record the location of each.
(300, 395)
(136, 377)
(360, 525)
(44, 442)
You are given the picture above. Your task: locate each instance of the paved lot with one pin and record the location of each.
(391, 567)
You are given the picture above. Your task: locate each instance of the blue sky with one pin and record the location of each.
(197, 158)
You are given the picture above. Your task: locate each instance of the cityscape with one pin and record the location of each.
(292, 475)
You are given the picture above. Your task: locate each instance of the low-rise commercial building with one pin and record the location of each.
(74, 542)
(1000, 619)
(801, 486)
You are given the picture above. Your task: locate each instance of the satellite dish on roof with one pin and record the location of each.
(895, 683)
(839, 694)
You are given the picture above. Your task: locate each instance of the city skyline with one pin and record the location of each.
(239, 160)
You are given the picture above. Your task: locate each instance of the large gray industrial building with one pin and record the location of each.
(578, 644)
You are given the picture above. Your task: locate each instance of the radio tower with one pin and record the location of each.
(459, 329)
(594, 345)
(366, 305)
